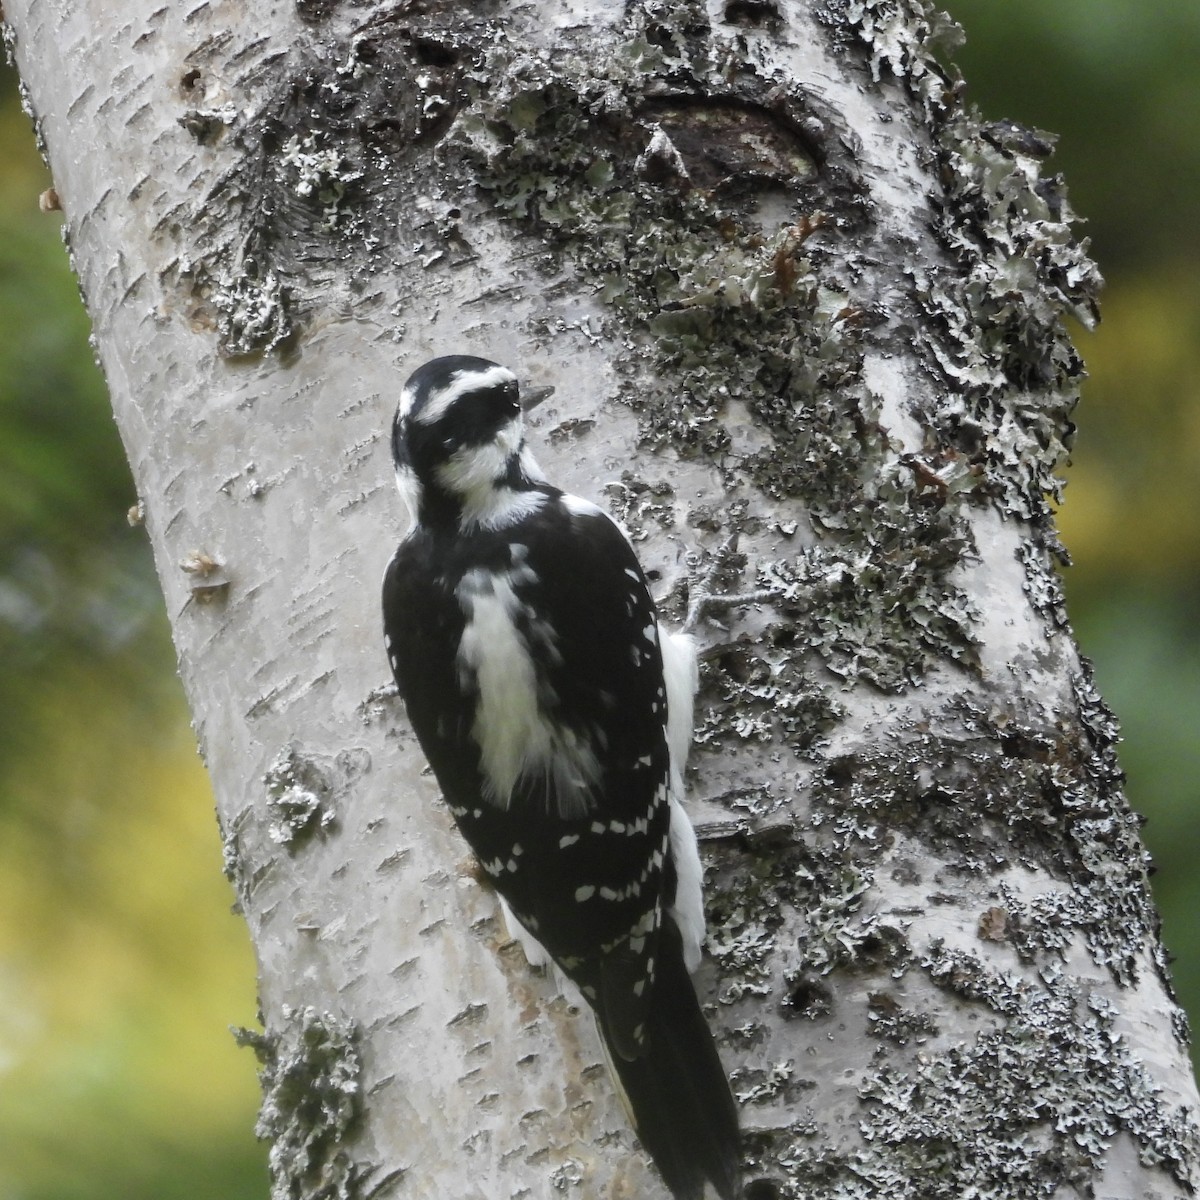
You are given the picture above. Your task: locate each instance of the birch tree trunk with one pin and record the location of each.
(788, 289)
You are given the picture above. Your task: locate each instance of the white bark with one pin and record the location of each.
(935, 961)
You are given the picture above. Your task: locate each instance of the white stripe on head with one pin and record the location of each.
(474, 475)
(461, 382)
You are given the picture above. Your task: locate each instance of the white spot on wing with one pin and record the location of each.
(584, 893)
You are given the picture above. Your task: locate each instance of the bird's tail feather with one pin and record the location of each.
(677, 1092)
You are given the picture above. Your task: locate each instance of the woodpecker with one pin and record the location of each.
(556, 714)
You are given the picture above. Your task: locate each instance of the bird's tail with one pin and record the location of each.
(676, 1091)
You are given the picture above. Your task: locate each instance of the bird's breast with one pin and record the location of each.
(527, 755)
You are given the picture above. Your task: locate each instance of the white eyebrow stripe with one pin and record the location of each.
(462, 383)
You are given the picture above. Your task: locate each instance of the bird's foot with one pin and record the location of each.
(705, 595)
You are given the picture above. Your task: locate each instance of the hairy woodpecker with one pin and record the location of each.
(556, 715)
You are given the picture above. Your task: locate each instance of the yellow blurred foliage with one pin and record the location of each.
(1133, 500)
(121, 966)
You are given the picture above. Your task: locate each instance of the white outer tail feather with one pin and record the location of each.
(681, 673)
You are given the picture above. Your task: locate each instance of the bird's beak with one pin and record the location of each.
(532, 397)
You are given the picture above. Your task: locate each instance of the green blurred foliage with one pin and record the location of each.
(1117, 81)
(120, 965)
(74, 583)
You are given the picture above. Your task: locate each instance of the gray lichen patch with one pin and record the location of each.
(753, 691)
(312, 1099)
(304, 790)
(640, 506)
(1040, 556)
(252, 310)
(779, 1083)
(796, 928)
(299, 796)
(788, 915)
(890, 1021)
(1017, 269)
(987, 793)
(881, 607)
(656, 202)
(1062, 1084)
(1006, 351)
(319, 170)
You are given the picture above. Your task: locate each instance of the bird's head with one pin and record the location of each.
(458, 440)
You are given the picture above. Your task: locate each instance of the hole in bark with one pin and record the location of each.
(807, 997)
(840, 772)
(761, 1189)
(733, 662)
(726, 143)
(430, 52)
(189, 79)
(751, 12)
(884, 947)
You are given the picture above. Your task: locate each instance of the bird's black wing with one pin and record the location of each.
(575, 835)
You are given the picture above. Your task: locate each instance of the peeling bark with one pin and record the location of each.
(788, 288)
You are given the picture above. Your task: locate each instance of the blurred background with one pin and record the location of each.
(120, 964)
